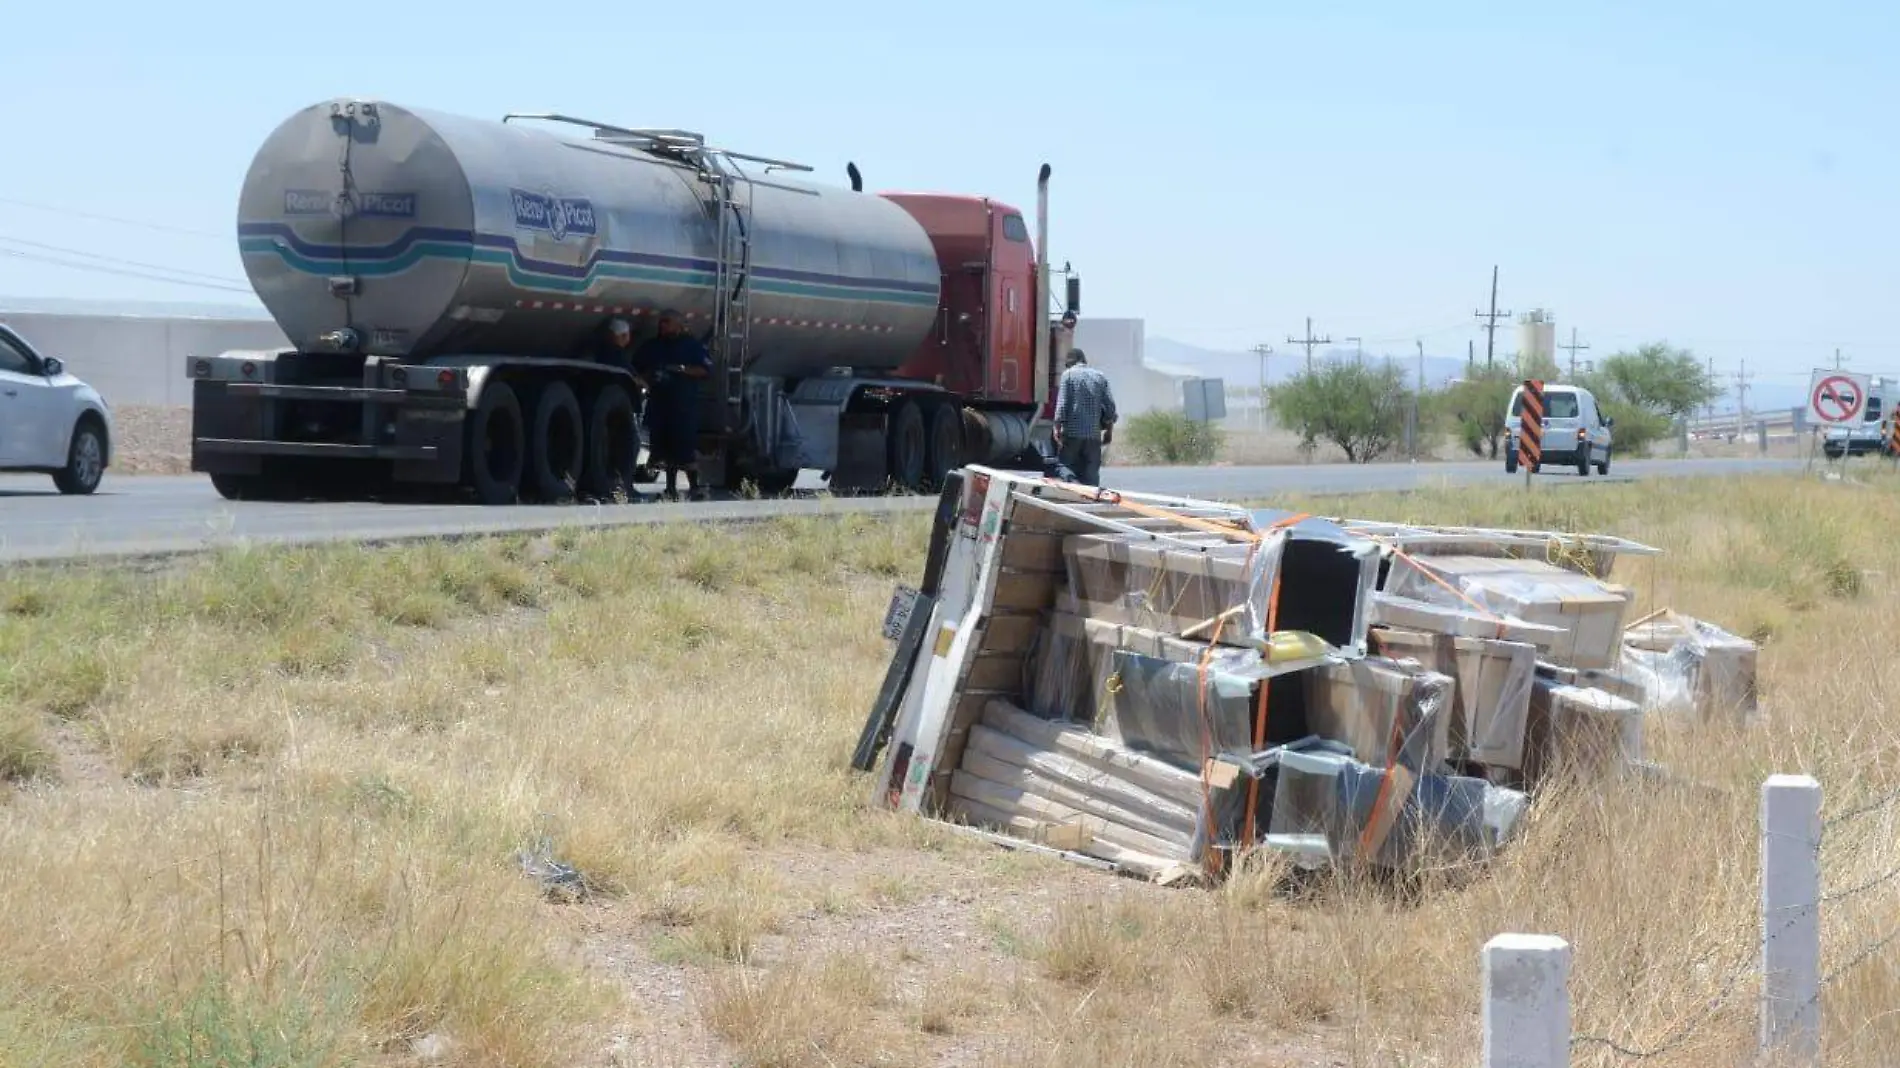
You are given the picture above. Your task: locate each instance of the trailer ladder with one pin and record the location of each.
(732, 271)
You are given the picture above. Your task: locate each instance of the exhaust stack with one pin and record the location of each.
(1044, 371)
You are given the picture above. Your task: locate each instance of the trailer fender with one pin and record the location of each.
(820, 405)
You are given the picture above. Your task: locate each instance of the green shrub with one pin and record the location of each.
(1171, 438)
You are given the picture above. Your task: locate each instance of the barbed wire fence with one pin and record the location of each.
(1527, 1018)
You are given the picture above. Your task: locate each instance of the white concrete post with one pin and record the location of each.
(1791, 916)
(1526, 1002)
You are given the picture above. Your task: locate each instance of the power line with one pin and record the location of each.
(219, 278)
(126, 272)
(1309, 341)
(71, 213)
(1491, 320)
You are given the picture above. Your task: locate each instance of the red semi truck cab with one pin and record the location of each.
(984, 344)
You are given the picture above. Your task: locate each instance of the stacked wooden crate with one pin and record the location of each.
(1127, 685)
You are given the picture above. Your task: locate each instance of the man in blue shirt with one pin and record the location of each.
(674, 363)
(1085, 418)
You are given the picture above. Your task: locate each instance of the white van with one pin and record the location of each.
(1866, 436)
(1576, 433)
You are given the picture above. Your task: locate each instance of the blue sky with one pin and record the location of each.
(1723, 176)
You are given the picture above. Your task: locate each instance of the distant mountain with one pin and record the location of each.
(1242, 368)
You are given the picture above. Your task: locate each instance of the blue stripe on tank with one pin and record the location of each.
(430, 242)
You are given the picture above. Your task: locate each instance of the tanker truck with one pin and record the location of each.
(439, 279)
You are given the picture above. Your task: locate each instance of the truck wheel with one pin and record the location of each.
(945, 452)
(492, 454)
(1583, 462)
(1510, 461)
(1604, 467)
(613, 445)
(904, 441)
(556, 449)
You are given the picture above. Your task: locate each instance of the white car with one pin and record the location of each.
(50, 422)
(1576, 432)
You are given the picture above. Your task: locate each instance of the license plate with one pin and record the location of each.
(897, 615)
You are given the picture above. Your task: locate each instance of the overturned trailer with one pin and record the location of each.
(1158, 684)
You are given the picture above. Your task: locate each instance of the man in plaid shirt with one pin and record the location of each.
(1085, 419)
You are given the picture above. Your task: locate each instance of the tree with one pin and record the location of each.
(1657, 378)
(1647, 390)
(1358, 407)
(1475, 408)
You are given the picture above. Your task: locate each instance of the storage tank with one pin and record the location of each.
(470, 237)
(1536, 341)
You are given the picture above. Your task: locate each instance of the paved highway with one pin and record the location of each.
(137, 515)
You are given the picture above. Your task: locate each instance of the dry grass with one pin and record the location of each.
(267, 805)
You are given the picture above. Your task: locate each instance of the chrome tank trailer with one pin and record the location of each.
(400, 232)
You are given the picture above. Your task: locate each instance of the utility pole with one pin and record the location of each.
(1741, 397)
(1712, 381)
(1309, 341)
(1471, 356)
(1263, 351)
(1418, 391)
(1837, 357)
(1358, 349)
(1491, 321)
(1573, 348)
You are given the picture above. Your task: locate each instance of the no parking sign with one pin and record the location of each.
(1836, 397)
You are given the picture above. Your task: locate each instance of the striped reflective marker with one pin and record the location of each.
(1530, 434)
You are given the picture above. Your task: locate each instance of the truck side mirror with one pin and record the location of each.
(53, 367)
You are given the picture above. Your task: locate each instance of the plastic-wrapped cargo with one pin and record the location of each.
(1166, 586)
(1492, 694)
(1184, 702)
(1062, 684)
(1383, 710)
(1590, 731)
(1313, 801)
(1588, 614)
(1691, 669)
(1307, 576)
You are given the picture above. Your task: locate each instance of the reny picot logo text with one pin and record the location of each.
(556, 216)
(371, 205)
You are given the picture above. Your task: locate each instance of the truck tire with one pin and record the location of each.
(556, 445)
(944, 451)
(613, 444)
(492, 453)
(1604, 467)
(1583, 462)
(1510, 461)
(904, 444)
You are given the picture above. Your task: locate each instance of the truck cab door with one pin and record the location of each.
(1011, 373)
